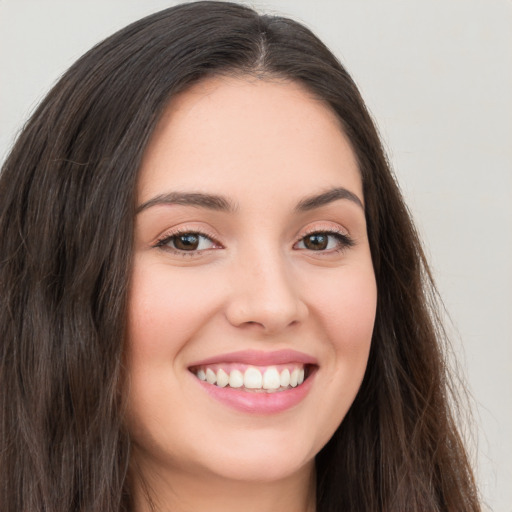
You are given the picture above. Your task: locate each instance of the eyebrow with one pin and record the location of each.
(208, 201)
(220, 203)
(312, 202)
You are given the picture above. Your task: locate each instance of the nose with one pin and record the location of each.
(264, 295)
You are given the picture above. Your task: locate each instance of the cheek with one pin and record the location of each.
(346, 309)
(343, 306)
(164, 315)
(166, 308)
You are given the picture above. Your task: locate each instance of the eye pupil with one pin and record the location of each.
(186, 242)
(316, 242)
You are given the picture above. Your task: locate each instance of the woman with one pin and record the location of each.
(212, 293)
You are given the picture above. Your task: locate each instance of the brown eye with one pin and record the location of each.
(325, 241)
(186, 242)
(316, 241)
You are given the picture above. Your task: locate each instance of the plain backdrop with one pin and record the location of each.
(437, 77)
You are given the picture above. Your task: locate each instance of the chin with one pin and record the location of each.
(263, 456)
(260, 469)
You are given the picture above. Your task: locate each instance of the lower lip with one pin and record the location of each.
(258, 403)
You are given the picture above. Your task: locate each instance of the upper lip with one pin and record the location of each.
(259, 358)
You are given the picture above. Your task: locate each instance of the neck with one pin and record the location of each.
(169, 491)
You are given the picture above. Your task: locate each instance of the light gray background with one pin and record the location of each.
(437, 76)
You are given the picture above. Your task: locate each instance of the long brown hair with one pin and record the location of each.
(67, 199)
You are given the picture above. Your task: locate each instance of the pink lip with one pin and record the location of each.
(259, 403)
(259, 358)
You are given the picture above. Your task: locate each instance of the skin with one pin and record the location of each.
(263, 145)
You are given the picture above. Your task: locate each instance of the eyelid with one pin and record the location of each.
(322, 227)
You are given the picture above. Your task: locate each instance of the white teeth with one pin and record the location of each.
(222, 378)
(253, 378)
(285, 378)
(294, 377)
(211, 378)
(271, 379)
(236, 379)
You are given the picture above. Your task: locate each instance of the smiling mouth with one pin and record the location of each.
(254, 379)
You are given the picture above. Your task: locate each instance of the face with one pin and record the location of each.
(253, 294)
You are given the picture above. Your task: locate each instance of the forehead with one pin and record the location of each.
(226, 133)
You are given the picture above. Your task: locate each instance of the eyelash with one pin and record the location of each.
(343, 240)
(168, 238)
